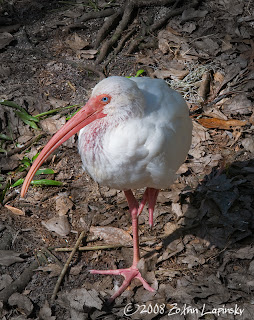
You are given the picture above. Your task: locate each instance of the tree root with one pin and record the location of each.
(124, 16)
(118, 20)
(127, 12)
(90, 16)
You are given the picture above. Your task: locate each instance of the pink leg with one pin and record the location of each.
(149, 196)
(132, 272)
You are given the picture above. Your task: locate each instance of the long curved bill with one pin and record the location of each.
(86, 115)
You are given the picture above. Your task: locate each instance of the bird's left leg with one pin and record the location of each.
(149, 196)
(132, 272)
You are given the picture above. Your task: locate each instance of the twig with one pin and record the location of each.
(92, 248)
(64, 270)
(50, 256)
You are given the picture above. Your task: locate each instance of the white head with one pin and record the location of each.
(121, 97)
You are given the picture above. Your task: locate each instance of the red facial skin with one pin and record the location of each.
(92, 111)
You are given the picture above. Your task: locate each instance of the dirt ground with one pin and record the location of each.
(199, 254)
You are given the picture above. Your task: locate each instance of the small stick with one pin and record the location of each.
(64, 270)
(92, 248)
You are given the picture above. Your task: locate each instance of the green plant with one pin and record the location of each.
(21, 113)
(138, 73)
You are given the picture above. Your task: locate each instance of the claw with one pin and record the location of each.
(129, 274)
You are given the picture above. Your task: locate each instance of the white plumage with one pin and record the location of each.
(134, 133)
(144, 138)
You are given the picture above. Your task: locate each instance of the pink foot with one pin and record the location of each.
(128, 274)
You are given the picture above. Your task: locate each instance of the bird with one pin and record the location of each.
(134, 133)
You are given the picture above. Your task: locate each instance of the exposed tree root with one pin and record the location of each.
(118, 32)
(112, 36)
(124, 15)
(90, 16)
(107, 27)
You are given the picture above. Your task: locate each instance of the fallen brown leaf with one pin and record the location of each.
(214, 123)
(112, 235)
(15, 210)
(75, 42)
(171, 73)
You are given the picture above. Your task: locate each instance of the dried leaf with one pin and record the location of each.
(170, 228)
(60, 225)
(22, 301)
(112, 235)
(191, 13)
(176, 208)
(87, 54)
(75, 42)
(53, 268)
(226, 45)
(15, 210)
(218, 77)
(5, 281)
(78, 299)
(52, 125)
(215, 123)
(193, 261)
(57, 103)
(8, 257)
(63, 204)
(248, 144)
(175, 74)
(5, 39)
(170, 37)
(46, 313)
(240, 104)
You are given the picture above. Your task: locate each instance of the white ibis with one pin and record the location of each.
(134, 133)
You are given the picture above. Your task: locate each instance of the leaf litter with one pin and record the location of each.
(202, 243)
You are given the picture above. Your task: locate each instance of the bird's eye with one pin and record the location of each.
(105, 99)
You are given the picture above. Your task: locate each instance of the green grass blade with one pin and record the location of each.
(5, 137)
(46, 113)
(13, 105)
(17, 183)
(46, 182)
(71, 115)
(26, 116)
(42, 182)
(26, 120)
(44, 171)
(139, 72)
